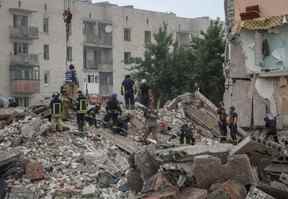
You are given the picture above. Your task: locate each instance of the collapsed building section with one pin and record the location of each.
(256, 65)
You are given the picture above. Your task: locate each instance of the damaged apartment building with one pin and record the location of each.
(256, 66)
(103, 37)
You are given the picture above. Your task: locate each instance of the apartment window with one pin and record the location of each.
(20, 48)
(69, 53)
(127, 56)
(45, 6)
(127, 19)
(23, 101)
(20, 21)
(46, 77)
(147, 21)
(127, 34)
(93, 79)
(147, 37)
(46, 25)
(19, 4)
(46, 55)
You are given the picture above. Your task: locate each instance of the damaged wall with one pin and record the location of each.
(268, 8)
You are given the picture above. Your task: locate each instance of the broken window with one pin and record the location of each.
(46, 55)
(127, 34)
(46, 25)
(148, 37)
(69, 53)
(46, 77)
(20, 48)
(20, 21)
(127, 57)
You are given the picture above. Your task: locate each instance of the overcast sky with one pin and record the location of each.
(183, 8)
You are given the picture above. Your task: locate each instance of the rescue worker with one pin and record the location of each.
(71, 80)
(186, 135)
(67, 103)
(151, 124)
(56, 113)
(113, 110)
(222, 122)
(91, 115)
(271, 125)
(233, 120)
(82, 105)
(127, 90)
(144, 97)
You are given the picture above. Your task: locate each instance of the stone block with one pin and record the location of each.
(89, 191)
(193, 193)
(208, 170)
(256, 193)
(27, 131)
(34, 170)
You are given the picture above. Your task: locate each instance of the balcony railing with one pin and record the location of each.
(25, 86)
(103, 40)
(24, 32)
(24, 59)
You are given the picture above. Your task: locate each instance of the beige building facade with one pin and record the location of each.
(103, 36)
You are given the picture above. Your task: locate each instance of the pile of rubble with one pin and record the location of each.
(39, 163)
(36, 162)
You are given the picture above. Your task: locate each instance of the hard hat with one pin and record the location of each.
(114, 95)
(143, 81)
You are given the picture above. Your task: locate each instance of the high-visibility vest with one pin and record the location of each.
(83, 106)
(56, 109)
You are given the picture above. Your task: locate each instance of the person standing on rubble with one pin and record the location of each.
(144, 97)
(222, 123)
(56, 107)
(113, 110)
(233, 126)
(186, 135)
(151, 124)
(127, 90)
(271, 126)
(82, 105)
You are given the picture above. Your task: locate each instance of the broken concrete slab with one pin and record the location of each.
(187, 153)
(193, 193)
(230, 190)
(208, 170)
(284, 178)
(89, 191)
(279, 186)
(274, 192)
(256, 193)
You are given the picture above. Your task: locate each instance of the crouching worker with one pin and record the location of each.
(81, 110)
(113, 110)
(186, 135)
(56, 107)
(91, 115)
(271, 126)
(151, 125)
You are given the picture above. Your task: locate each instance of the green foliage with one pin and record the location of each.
(172, 70)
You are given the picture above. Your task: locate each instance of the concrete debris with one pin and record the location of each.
(36, 162)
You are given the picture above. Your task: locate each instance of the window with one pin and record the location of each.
(20, 48)
(147, 21)
(127, 19)
(20, 21)
(46, 25)
(69, 53)
(46, 52)
(23, 101)
(45, 6)
(93, 79)
(147, 37)
(19, 4)
(46, 77)
(127, 56)
(127, 34)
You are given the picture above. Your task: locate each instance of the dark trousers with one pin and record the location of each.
(81, 121)
(272, 132)
(129, 100)
(188, 138)
(144, 100)
(223, 130)
(112, 115)
(233, 131)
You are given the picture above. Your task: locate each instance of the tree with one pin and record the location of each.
(208, 50)
(172, 70)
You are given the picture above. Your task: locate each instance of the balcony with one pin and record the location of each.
(24, 33)
(24, 59)
(25, 86)
(104, 40)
